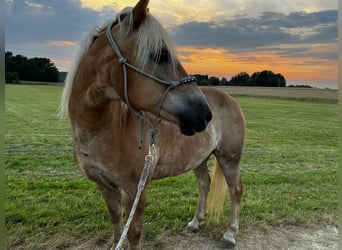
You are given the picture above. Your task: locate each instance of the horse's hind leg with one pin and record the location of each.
(231, 171)
(112, 197)
(203, 180)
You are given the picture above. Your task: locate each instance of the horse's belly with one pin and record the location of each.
(182, 154)
(172, 164)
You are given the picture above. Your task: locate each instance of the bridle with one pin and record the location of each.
(170, 85)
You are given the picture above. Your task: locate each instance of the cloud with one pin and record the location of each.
(38, 28)
(181, 11)
(99, 5)
(62, 20)
(63, 43)
(270, 28)
(301, 45)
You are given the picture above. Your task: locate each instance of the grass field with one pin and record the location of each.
(289, 170)
(294, 93)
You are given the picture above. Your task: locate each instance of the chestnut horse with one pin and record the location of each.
(128, 74)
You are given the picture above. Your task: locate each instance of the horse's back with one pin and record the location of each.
(220, 99)
(228, 120)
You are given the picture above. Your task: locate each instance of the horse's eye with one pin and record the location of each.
(162, 57)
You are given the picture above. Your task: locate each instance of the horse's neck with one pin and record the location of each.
(92, 99)
(93, 111)
(94, 104)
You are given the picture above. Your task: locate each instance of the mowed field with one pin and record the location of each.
(289, 170)
(295, 93)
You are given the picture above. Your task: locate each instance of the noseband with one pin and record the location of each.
(170, 85)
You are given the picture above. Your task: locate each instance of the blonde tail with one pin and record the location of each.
(217, 193)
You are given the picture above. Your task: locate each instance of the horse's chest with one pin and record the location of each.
(91, 154)
(84, 158)
(87, 161)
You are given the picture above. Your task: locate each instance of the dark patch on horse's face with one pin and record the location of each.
(161, 58)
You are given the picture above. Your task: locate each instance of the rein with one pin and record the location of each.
(149, 158)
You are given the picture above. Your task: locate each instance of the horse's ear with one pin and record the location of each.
(140, 12)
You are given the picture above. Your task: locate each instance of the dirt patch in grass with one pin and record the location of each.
(293, 238)
(289, 238)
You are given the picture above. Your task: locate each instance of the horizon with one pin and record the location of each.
(321, 84)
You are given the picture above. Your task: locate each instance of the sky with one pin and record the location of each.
(222, 38)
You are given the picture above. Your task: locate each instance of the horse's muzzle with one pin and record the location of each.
(195, 119)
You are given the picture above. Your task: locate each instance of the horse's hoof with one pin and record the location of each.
(192, 228)
(228, 241)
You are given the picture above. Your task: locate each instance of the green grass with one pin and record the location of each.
(289, 170)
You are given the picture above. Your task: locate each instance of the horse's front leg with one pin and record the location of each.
(112, 197)
(203, 181)
(136, 228)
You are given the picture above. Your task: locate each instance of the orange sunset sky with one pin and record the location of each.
(220, 38)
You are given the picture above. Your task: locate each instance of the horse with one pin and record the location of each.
(127, 83)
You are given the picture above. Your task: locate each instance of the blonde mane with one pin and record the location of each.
(83, 48)
(151, 38)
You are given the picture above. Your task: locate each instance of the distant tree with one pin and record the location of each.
(202, 80)
(47, 71)
(282, 81)
(9, 62)
(267, 78)
(33, 69)
(241, 79)
(264, 78)
(224, 81)
(254, 78)
(11, 74)
(11, 77)
(214, 81)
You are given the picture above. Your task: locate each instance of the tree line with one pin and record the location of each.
(264, 78)
(19, 67)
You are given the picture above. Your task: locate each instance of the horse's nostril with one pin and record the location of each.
(208, 116)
